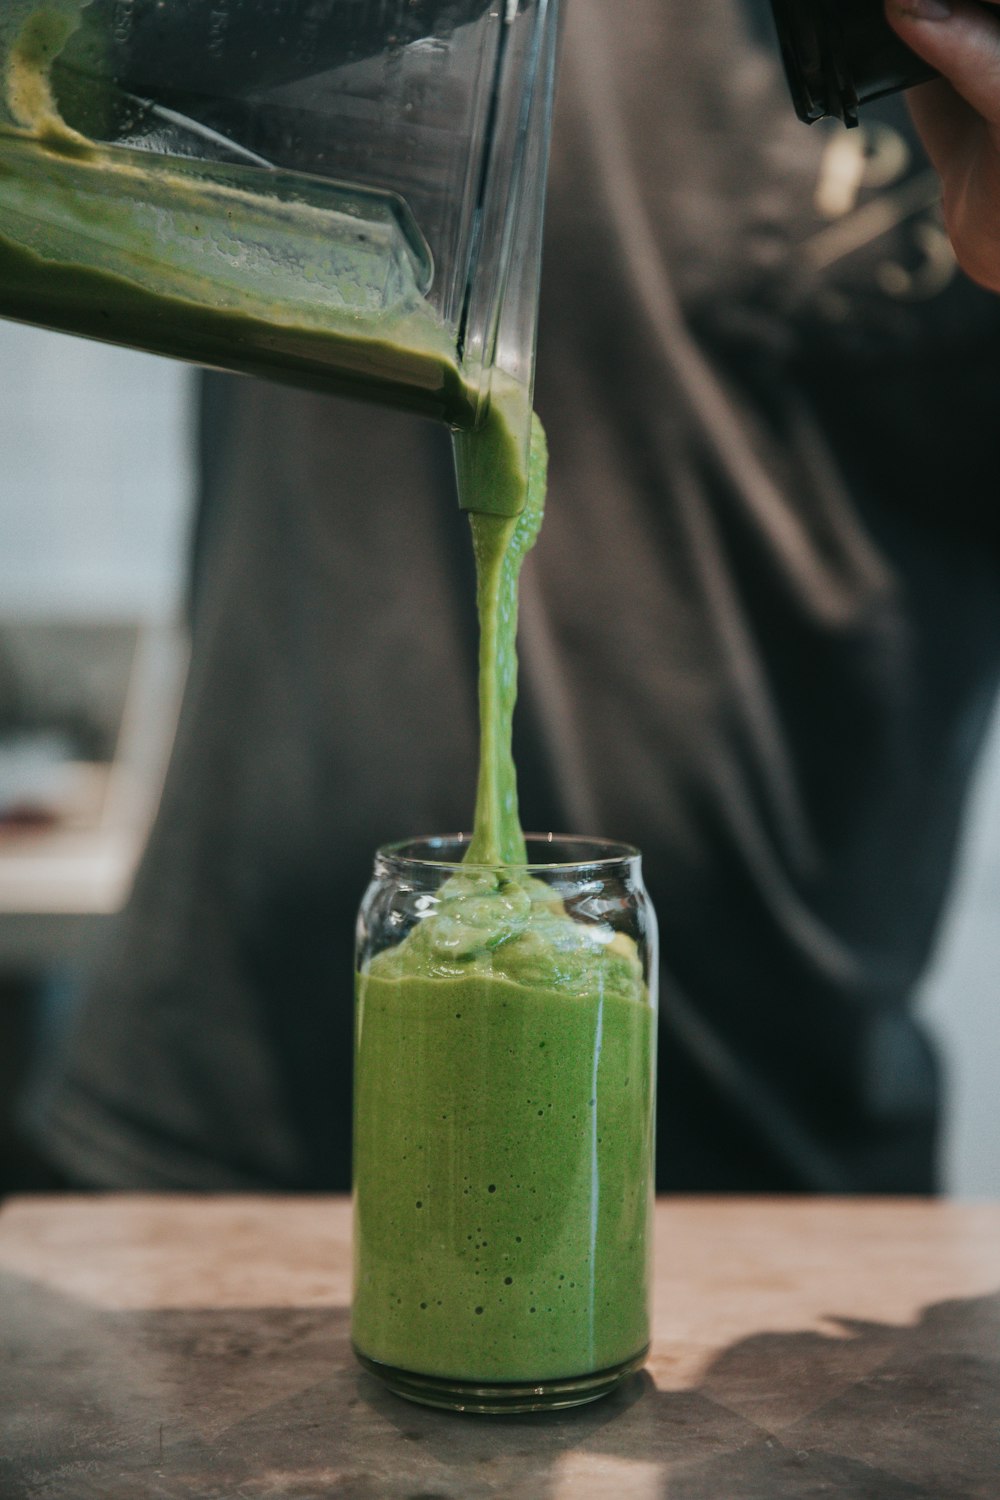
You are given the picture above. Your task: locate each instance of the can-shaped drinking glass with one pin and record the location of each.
(505, 1046)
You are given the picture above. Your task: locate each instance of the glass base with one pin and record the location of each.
(501, 1397)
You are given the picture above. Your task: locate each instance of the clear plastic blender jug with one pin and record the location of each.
(342, 193)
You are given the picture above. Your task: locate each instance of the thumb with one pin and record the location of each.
(961, 39)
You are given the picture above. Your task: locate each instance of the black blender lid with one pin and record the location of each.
(840, 54)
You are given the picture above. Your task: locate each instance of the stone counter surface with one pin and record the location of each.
(196, 1348)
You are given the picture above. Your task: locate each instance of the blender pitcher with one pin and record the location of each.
(345, 194)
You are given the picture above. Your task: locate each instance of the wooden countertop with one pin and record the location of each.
(180, 1347)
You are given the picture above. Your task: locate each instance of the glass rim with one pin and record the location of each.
(595, 852)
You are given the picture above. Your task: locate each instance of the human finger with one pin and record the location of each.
(944, 120)
(961, 39)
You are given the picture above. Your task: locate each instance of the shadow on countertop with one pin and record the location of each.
(268, 1404)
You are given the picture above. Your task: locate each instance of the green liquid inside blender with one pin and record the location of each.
(271, 273)
(194, 261)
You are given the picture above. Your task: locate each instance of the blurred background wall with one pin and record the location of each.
(96, 478)
(95, 492)
(962, 994)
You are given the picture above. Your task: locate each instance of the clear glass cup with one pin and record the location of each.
(505, 1044)
(342, 193)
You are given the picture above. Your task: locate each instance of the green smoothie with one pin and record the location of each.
(81, 249)
(503, 1074)
(503, 1142)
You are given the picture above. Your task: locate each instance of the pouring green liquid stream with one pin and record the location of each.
(500, 544)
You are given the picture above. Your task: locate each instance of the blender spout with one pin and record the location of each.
(501, 313)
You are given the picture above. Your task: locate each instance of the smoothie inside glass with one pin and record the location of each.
(504, 1094)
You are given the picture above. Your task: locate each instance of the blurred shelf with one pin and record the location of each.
(62, 875)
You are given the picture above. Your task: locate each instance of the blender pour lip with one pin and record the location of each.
(499, 314)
